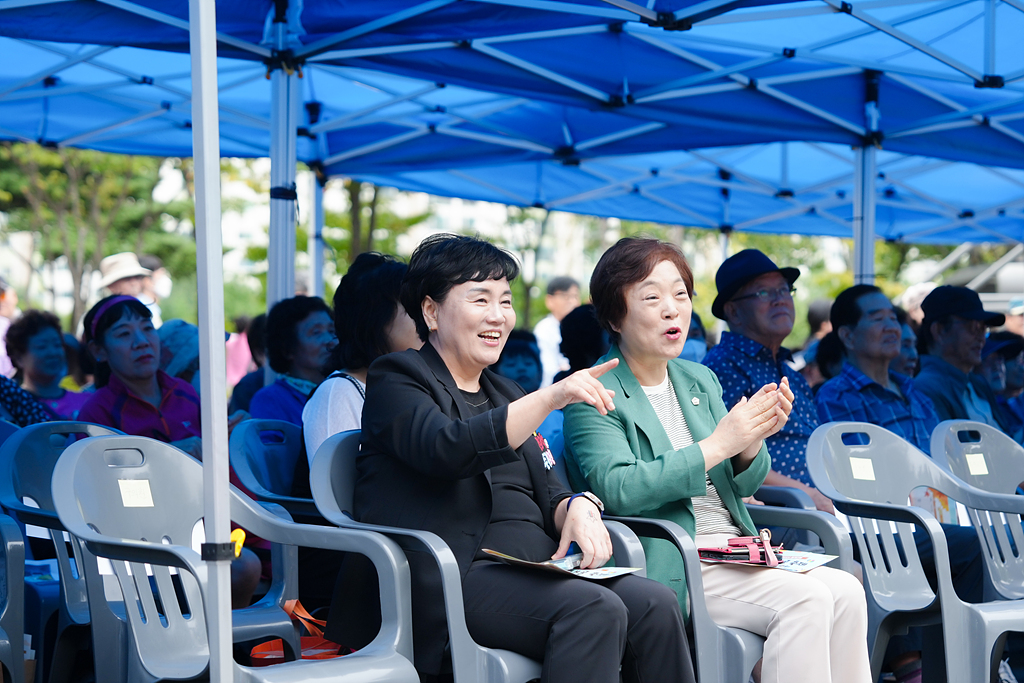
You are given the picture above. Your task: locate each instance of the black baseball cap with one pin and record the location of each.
(962, 302)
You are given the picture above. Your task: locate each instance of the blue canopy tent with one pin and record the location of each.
(884, 72)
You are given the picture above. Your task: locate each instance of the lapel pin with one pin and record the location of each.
(695, 401)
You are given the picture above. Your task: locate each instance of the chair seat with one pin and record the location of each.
(511, 665)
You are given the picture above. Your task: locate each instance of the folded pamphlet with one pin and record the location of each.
(567, 566)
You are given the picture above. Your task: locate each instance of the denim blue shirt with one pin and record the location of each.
(744, 366)
(947, 387)
(852, 396)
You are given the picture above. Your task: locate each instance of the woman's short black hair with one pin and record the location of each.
(443, 261)
(364, 305)
(21, 331)
(283, 328)
(102, 317)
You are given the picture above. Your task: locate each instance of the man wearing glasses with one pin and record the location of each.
(950, 340)
(755, 298)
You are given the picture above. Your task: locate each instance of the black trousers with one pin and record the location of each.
(582, 630)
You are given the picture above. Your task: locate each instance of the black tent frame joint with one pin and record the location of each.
(725, 228)
(284, 60)
(784, 192)
(874, 138)
(304, 132)
(668, 21)
(990, 81)
(317, 167)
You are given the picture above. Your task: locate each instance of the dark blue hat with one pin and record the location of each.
(959, 301)
(738, 270)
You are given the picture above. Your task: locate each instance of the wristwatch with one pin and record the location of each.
(589, 496)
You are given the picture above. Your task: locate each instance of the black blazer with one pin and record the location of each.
(424, 465)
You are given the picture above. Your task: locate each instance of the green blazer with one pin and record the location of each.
(626, 458)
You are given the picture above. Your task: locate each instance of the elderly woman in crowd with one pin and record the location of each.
(35, 343)
(369, 322)
(670, 450)
(300, 338)
(449, 446)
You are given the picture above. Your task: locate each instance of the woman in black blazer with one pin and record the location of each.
(450, 447)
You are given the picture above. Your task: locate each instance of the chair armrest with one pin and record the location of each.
(12, 614)
(466, 654)
(26, 514)
(907, 514)
(705, 631)
(626, 547)
(785, 496)
(834, 536)
(284, 564)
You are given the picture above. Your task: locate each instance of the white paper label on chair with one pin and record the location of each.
(135, 493)
(976, 464)
(862, 469)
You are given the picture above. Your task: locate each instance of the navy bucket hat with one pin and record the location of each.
(738, 270)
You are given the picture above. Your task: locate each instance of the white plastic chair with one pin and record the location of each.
(136, 501)
(332, 479)
(264, 454)
(27, 459)
(871, 483)
(988, 459)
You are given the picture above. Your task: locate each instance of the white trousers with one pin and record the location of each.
(815, 623)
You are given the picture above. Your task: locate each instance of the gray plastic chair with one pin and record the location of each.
(332, 480)
(169, 631)
(26, 464)
(871, 484)
(724, 654)
(27, 460)
(12, 602)
(988, 459)
(264, 454)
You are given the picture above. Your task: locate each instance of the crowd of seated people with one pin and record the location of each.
(649, 418)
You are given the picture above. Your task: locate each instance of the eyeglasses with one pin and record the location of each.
(769, 294)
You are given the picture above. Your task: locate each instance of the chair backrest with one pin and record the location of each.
(264, 454)
(333, 483)
(853, 461)
(988, 459)
(28, 457)
(147, 492)
(27, 460)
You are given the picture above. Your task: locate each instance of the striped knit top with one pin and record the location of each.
(710, 514)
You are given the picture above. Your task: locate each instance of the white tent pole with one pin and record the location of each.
(283, 127)
(864, 216)
(206, 154)
(316, 240)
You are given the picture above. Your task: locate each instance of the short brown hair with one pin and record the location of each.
(628, 262)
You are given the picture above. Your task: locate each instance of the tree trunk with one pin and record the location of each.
(528, 286)
(373, 220)
(355, 213)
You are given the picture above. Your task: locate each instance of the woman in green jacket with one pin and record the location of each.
(671, 450)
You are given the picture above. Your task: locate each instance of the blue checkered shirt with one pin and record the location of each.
(852, 396)
(744, 366)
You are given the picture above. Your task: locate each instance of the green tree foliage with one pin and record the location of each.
(377, 227)
(82, 205)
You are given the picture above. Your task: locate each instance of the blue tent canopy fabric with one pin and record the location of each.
(453, 96)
